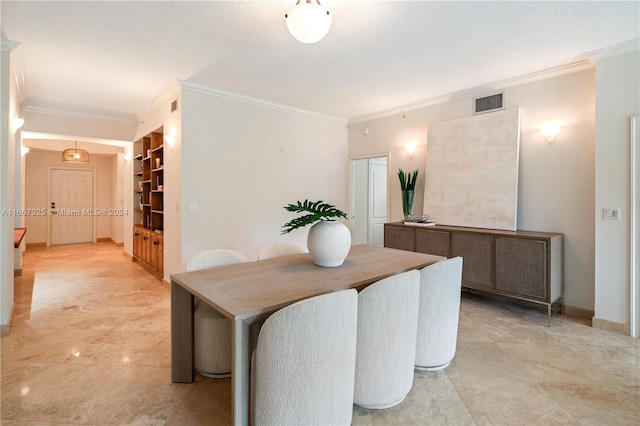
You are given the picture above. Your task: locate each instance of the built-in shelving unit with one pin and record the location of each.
(148, 220)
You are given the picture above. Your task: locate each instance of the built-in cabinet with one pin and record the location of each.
(518, 264)
(148, 220)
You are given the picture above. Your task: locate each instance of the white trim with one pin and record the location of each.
(199, 88)
(573, 67)
(634, 222)
(616, 50)
(51, 111)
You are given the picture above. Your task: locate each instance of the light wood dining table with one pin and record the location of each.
(247, 293)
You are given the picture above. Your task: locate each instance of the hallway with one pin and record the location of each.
(90, 345)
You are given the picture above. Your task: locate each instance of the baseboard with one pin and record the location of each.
(6, 328)
(166, 284)
(128, 256)
(31, 245)
(611, 326)
(104, 240)
(573, 311)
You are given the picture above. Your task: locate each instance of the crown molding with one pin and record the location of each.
(169, 91)
(61, 113)
(628, 46)
(7, 45)
(200, 88)
(580, 65)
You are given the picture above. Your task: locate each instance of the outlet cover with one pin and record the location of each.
(192, 207)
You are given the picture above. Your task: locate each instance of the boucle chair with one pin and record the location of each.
(386, 347)
(277, 249)
(304, 362)
(211, 330)
(440, 285)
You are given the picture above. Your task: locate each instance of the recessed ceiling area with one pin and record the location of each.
(109, 60)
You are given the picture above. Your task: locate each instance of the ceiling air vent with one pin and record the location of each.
(488, 103)
(174, 105)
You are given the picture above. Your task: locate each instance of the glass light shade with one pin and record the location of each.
(308, 21)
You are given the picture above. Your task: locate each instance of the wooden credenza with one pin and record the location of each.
(523, 265)
(148, 249)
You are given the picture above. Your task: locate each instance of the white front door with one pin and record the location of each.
(71, 206)
(377, 200)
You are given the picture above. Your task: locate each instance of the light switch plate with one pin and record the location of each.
(611, 213)
(192, 207)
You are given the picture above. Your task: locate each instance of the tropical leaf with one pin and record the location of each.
(317, 210)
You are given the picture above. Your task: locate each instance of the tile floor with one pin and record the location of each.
(90, 345)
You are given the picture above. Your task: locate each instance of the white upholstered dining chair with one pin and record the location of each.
(386, 348)
(304, 363)
(440, 286)
(211, 330)
(277, 249)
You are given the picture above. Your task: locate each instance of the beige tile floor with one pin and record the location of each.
(90, 345)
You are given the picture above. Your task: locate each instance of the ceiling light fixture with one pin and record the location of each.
(75, 155)
(308, 21)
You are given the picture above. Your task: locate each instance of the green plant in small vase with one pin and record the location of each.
(329, 240)
(407, 185)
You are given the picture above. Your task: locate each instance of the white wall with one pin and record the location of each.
(37, 164)
(8, 108)
(243, 161)
(556, 181)
(618, 98)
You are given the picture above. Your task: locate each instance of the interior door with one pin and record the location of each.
(377, 200)
(71, 206)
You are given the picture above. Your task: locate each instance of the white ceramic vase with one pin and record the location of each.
(329, 242)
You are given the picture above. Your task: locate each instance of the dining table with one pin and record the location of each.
(247, 293)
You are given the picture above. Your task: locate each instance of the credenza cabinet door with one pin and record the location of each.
(433, 242)
(521, 266)
(476, 251)
(399, 238)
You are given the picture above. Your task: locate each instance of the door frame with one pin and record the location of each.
(93, 199)
(386, 155)
(634, 225)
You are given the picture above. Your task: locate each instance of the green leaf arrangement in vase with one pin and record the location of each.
(407, 185)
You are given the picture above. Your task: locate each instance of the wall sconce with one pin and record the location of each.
(410, 147)
(170, 137)
(16, 123)
(308, 21)
(549, 131)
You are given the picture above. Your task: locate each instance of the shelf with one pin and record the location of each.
(138, 157)
(157, 190)
(157, 211)
(138, 173)
(158, 170)
(159, 148)
(146, 181)
(138, 209)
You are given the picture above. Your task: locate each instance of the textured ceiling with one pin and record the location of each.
(111, 59)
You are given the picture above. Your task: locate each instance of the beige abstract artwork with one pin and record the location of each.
(472, 171)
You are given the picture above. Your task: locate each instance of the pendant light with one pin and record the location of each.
(308, 21)
(75, 155)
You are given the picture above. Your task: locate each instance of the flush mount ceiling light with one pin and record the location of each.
(75, 155)
(308, 21)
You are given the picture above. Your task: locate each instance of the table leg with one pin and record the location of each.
(181, 335)
(240, 373)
